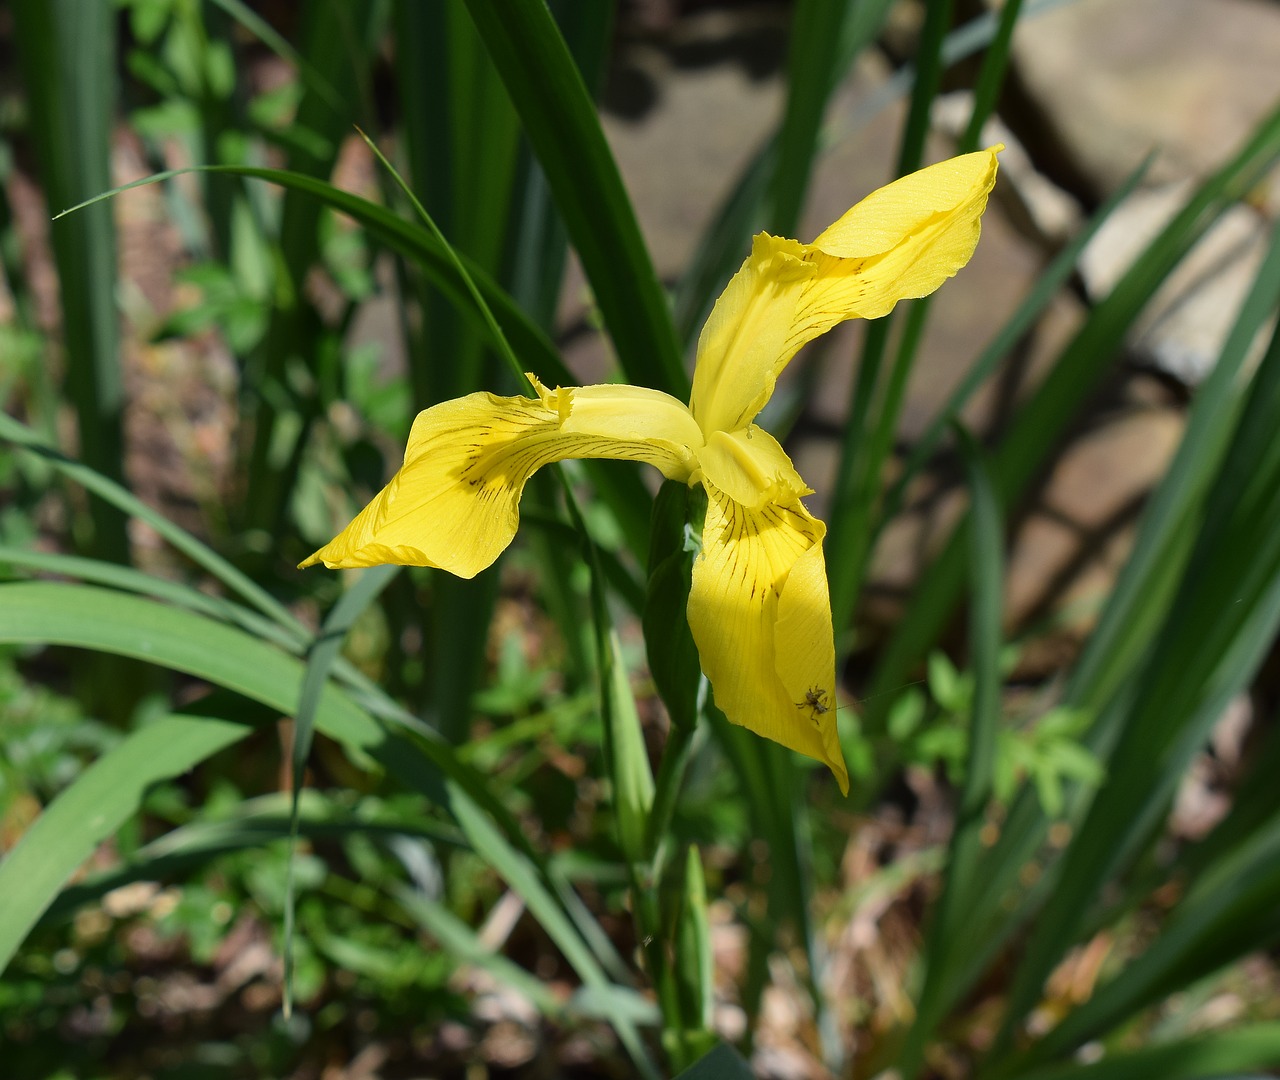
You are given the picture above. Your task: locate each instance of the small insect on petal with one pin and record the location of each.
(815, 700)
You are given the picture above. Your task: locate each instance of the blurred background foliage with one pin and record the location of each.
(262, 823)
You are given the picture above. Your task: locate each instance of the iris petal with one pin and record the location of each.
(750, 467)
(899, 243)
(745, 334)
(761, 620)
(897, 211)
(454, 503)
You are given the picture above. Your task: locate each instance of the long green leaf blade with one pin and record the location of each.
(66, 50)
(1042, 419)
(1219, 1054)
(100, 800)
(561, 123)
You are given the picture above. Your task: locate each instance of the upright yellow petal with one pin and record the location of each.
(454, 502)
(900, 242)
(761, 618)
(746, 333)
(881, 221)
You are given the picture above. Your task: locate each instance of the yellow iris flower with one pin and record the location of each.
(759, 609)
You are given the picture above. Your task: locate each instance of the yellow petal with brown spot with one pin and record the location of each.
(761, 619)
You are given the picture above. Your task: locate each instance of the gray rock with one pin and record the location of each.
(1192, 77)
(1183, 329)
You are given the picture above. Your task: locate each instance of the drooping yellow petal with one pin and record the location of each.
(898, 243)
(761, 618)
(454, 502)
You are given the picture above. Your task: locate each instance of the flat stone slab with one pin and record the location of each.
(1114, 80)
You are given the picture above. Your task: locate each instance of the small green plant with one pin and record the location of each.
(1044, 749)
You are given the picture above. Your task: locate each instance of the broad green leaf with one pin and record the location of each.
(91, 618)
(97, 572)
(88, 812)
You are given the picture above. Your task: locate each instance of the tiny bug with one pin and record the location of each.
(815, 698)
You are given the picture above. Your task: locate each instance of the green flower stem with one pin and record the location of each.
(671, 769)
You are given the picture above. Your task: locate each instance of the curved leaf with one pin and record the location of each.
(101, 799)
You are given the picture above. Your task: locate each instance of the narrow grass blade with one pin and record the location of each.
(524, 878)
(1050, 280)
(461, 611)
(1042, 419)
(961, 881)
(561, 124)
(1233, 909)
(863, 455)
(1205, 652)
(813, 66)
(338, 39)
(857, 518)
(991, 77)
(929, 65)
(541, 240)
(462, 943)
(773, 788)
(256, 25)
(1220, 1054)
(1137, 604)
(451, 92)
(96, 804)
(320, 662)
(1209, 426)
(110, 491)
(743, 211)
(864, 442)
(66, 51)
